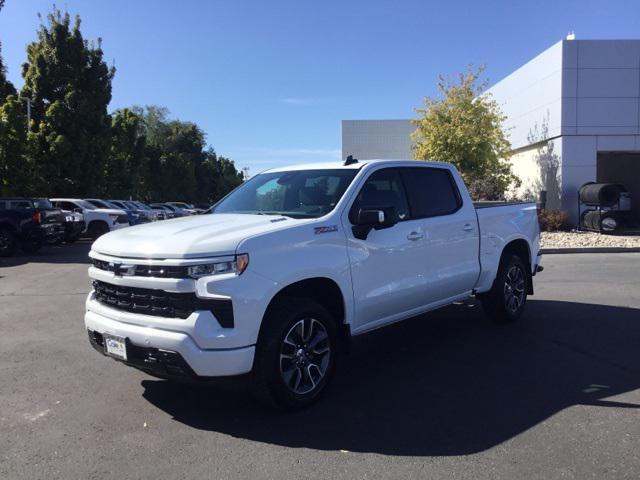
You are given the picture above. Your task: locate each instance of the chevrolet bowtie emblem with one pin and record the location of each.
(119, 269)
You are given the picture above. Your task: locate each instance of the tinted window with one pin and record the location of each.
(98, 203)
(431, 191)
(20, 204)
(383, 188)
(66, 206)
(42, 203)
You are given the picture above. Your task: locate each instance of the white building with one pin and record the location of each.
(573, 117)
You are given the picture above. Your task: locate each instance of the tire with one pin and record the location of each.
(506, 300)
(609, 222)
(8, 242)
(97, 229)
(295, 354)
(31, 246)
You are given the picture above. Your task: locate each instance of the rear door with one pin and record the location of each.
(451, 238)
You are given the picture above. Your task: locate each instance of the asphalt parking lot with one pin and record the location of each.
(446, 395)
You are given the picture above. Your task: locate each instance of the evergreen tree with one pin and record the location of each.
(124, 170)
(16, 173)
(70, 85)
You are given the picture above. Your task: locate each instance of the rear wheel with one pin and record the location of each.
(296, 353)
(8, 243)
(505, 302)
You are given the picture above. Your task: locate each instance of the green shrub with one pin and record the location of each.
(553, 220)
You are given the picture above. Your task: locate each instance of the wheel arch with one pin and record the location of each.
(97, 221)
(520, 247)
(322, 290)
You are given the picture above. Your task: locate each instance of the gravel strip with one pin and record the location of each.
(586, 240)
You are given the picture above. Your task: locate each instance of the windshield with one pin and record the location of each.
(296, 194)
(42, 203)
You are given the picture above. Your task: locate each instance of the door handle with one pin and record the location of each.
(413, 236)
(468, 227)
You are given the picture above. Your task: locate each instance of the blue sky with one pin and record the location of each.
(270, 81)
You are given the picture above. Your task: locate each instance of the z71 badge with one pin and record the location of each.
(327, 229)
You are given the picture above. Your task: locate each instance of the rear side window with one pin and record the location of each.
(383, 188)
(20, 204)
(432, 191)
(66, 206)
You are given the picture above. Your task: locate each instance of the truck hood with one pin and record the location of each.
(188, 237)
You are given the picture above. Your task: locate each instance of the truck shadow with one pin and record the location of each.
(447, 383)
(77, 252)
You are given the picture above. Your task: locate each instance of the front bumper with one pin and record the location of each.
(149, 345)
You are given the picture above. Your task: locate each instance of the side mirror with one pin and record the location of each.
(376, 218)
(77, 210)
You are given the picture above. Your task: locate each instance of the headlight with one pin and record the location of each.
(237, 266)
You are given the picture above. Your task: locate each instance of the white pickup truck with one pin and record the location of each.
(295, 261)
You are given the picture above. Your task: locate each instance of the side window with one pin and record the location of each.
(383, 188)
(67, 206)
(20, 205)
(432, 191)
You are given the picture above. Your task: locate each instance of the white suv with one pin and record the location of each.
(98, 220)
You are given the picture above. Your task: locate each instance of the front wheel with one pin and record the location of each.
(505, 302)
(296, 353)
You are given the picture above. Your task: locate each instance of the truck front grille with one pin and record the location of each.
(160, 303)
(146, 270)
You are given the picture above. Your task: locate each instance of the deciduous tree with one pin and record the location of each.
(464, 127)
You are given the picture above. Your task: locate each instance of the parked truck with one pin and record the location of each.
(289, 266)
(20, 226)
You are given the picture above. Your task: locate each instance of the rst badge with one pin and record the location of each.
(325, 229)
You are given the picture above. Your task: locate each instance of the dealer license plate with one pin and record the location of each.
(115, 346)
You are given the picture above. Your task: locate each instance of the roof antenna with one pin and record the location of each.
(350, 160)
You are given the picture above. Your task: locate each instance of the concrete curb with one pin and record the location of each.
(551, 251)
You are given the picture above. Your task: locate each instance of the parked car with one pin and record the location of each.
(297, 260)
(185, 208)
(20, 226)
(140, 215)
(156, 213)
(74, 225)
(104, 204)
(51, 221)
(172, 212)
(98, 220)
(147, 213)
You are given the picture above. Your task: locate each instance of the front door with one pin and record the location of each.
(388, 267)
